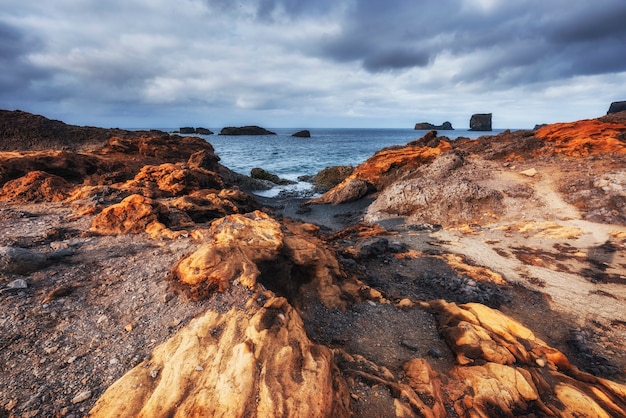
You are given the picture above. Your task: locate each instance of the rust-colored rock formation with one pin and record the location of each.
(586, 137)
(252, 361)
(379, 170)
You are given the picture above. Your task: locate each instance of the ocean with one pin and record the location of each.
(289, 157)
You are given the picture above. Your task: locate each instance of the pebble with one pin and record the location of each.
(18, 284)
(154, 373)
(435, 353)
(199, 368)
(81, 396)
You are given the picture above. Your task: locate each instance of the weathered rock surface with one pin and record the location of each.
(330, 177)
(427, 126)
(245, 130)
(480, 122)
(252, 361)
(285, 318)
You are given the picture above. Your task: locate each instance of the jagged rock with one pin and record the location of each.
(508, 371)
(204, 206)
(426, 126)
(132, 215)
(246, 130)
(585, 137)
(260, 174)
(251, 361)
(36, 186)
(480, 122)
(617, 107)
(204, 159)
(380, 170)
(15, 260)
(302, 134)
(252, 247)
(330, 177)
(172, 180)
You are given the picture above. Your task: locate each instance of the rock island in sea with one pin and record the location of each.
(442, 278)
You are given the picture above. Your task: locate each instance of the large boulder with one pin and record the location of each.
(427, 126)
(252, 361)
(617, 107)
(480, 122)
(36, 186)
(245, 130)
(132, 215)
(261, 174)
(330, 177)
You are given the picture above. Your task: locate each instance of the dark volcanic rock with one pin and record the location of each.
(480, 122)
(617, 107)
(260, 174)
(329, 177)
(186, 130)
(25, 131)
(246, 130)
(204, 131)
(200, 131)
(425, 126)
(302, 134)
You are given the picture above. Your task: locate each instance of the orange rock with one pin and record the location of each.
(381, 166)
(131, 216)
(234, 246)
(252, 361)
(585, 137)
(171, 180)
(36, 186)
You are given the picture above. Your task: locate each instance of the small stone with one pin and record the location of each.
(154, 373)
(72, 359)
(113, 361)
(101, 319)
(531, 172)
(435, 353)
(51, 350)
(81, 396)
(18, 284)
(375, 294)
(199, 368)
(540, 362)
(167, 297)
(410, 344)
(405, 303)
(128, 327)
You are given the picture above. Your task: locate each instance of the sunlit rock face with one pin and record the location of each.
(504, 370)
(381, 169)
(251, 361)
(254, 247)
(586, 137)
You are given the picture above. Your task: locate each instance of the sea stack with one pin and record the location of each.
(617, 107)
(480, 122)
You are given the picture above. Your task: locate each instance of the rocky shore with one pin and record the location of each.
(442, 278)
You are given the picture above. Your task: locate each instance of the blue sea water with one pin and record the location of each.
(290, 157)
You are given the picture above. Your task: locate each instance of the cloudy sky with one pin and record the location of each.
(312, 63)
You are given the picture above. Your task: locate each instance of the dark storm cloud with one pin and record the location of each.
(555, 38)
(17, 72)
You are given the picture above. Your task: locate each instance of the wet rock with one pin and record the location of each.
(16, 260)
(260, 174)
(330, 177)
(260, 363)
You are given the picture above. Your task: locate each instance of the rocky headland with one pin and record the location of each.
(468, 278)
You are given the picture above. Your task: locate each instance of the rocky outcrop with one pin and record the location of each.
(617, 107)
(246, 130)
(380, 170)
(190, 131)
(261, 174)
(426, 126)
(302, 134)
(480, 122)
(330, 177)
(585, 137)
(36, 186)
(255, 360)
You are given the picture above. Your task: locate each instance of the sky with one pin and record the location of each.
(312, 63)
